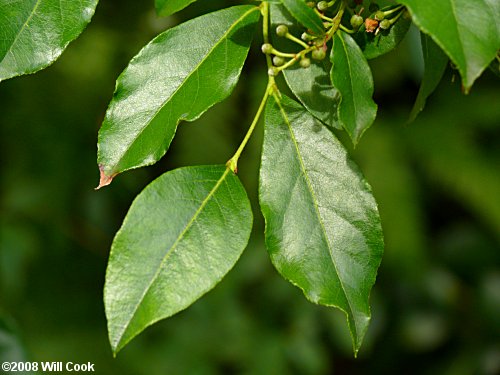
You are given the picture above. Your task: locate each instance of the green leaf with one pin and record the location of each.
(314, 89)
(34, 33)
(467, 31)
(435, 62)
(178, 76)
(168, 7)
(305, 15)
(385, 41)
(351, 75)
(312, 86)
(182, 234)
(323, 229)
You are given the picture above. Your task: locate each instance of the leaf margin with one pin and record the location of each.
(119, 343)
(107, 172)
(56, 52)
(357, 338)
(350, 47)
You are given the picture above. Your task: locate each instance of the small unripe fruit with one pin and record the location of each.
(267, 48)
(305, 62)
(273, 72)
(379, 15)
(385, 24)
(306, 37)
(281, 30)
(322, 6)
(278, 60)
(318, 54)
(356, 21)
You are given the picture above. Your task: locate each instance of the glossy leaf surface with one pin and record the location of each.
(305, 15)
(435, 62)
(178, 76)
(312, 86)
(351, 75)
(385, 41)
(323, 229)
(182, 234)
(168, 7)
(468, 31)
(34, 33)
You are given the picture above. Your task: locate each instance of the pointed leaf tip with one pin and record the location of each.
(104, 179)
(323, 230)
(467, 32)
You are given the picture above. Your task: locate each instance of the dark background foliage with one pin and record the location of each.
(436, 302)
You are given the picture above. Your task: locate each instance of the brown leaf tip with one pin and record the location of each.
(104, 179)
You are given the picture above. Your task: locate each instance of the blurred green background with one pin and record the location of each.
(436, 303)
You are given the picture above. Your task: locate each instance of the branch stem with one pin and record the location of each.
(265, 29)
(271, 88)
(336, 21)
(233, 162)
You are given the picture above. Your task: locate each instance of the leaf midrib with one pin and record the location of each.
(171, 251)
(196, 68)
(316, 207)
(33, 11)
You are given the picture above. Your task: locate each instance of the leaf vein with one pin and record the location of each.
(33, 11)
(171, 250)
(196, 68)
(315, 203)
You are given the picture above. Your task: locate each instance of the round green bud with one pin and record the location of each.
(305, 62)
(273, 72)
(356, 21)
(281, 30)
(278, 60)
(267, 48)
(318, 54)
(322, 6)
(306, 37)
(379, 15)
(385, 24)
